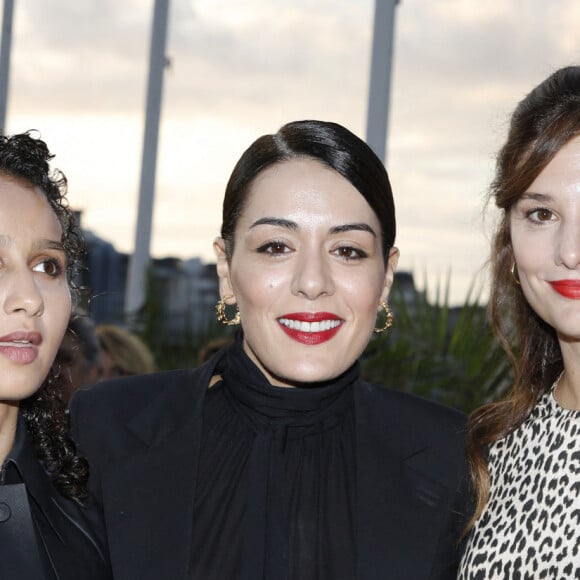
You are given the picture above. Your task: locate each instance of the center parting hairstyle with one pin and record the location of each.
(543, 122)
(26, 159)
(329, 143)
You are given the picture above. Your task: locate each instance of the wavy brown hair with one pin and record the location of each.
(542, 123)
(26, 158)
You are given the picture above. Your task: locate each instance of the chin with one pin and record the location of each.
(12, 391)
(569, 334)
(309, 375)
(14, 395)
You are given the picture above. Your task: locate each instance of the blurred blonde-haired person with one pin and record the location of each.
(122, 353)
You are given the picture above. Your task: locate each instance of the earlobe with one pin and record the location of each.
(223, 268)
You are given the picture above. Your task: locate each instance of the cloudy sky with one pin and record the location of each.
(242, 69)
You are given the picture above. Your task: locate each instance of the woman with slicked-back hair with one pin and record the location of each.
(525, 450)
(274, 460)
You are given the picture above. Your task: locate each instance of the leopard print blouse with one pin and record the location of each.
(530, 528)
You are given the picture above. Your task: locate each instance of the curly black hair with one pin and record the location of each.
(26, 157)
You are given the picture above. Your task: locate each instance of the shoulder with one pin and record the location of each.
(411, 421)
(126, 394)
(100, 414)
(405, 405)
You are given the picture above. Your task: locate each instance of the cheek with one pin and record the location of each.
(257, 287)
(531, 255)
(57, 310)
(365, 286)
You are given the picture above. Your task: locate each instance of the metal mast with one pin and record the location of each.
(380, 82)
(139, 262)
(5, 49)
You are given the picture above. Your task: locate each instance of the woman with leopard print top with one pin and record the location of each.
(525, 450)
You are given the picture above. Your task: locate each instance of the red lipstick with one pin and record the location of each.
(310, 328)
(567, 288)
(21, 346)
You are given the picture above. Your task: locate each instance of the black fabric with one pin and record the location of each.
(276, 493)
(143, 438)
(43, 535)
(24, 560)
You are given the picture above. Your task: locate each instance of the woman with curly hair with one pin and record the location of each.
(47, 528)
(525, 450)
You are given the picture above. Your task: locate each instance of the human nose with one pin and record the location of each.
(23, 294)
(569, 245)
(313, 276)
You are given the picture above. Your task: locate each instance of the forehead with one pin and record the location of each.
(305, 187)
(562, 174)
(25, 201)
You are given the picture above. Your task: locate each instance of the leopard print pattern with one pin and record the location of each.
(530, 528)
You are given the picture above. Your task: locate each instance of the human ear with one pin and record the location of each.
(392, 262)
(223, 269)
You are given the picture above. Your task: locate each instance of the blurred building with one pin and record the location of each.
(182, 292)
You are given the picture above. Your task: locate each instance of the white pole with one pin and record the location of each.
(380, 81)
(5, 48)
(139, 262)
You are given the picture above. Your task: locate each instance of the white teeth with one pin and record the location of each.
(309, 326)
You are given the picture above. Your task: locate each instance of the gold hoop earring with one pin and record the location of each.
(220, 312)
(389, 318)
(514, 273)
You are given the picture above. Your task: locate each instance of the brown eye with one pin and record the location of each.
(350, 253)
(273, 248)
(544, 215)
(49, 267)
(277, 248)
(540, 215)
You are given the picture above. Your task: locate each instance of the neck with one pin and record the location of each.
(8, 418)
(567, 390)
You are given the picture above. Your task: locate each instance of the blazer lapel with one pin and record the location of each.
(60, 518)
(401, 503)
(150, 492)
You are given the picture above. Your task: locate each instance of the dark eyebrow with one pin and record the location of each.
(48, 245)
(282, 223)
(536, 196)
(350, 227)
(270, 221)
(38, 245)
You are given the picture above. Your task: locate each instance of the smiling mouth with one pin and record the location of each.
(303, 326)
(310, 328)
(567, 288)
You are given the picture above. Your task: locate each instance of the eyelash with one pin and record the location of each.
(534, 219)
(347, 253)
(56, 265)
(358, 253)
(269, 248)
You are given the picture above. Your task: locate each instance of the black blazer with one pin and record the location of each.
(142, 438)
(42, 534)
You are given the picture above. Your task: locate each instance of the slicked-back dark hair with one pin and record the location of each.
(329, 143)
(25, 158)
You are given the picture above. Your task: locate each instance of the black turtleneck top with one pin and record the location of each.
(276, 492)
